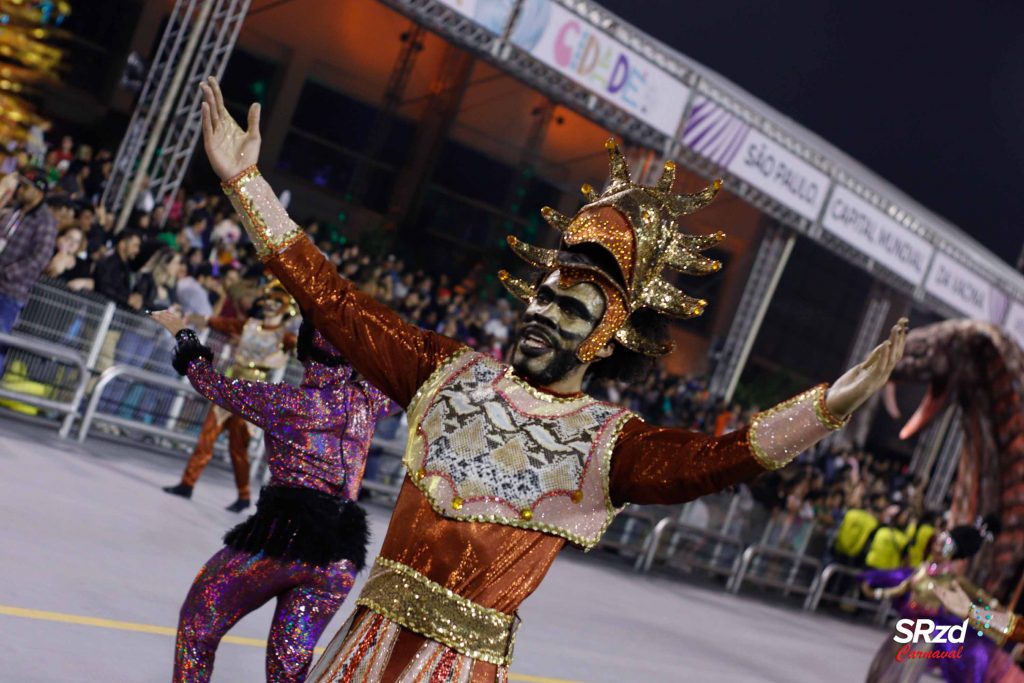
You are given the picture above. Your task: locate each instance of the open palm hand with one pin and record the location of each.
(230, 149)
(857, 385)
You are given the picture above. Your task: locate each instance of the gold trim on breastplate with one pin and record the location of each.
(512, 457)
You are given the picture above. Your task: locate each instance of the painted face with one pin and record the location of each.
(943, 546)
(271, 307)
(555, 323)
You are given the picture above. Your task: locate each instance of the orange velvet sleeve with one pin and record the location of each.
(666, 466)
(394, 356)
(661, 465)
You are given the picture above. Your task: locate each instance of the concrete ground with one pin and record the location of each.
(95, 561)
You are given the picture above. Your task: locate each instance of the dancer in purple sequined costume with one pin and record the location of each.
(308, 538)
(915, 594)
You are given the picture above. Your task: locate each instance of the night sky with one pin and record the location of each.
(929, 95)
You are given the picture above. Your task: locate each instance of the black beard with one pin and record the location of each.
(561, 363)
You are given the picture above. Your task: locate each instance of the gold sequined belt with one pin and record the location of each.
(411, 600)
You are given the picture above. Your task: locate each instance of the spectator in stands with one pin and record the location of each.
(114, 276)
(854, 534)
(889, 541)
(921, 537)
(158, 279)
(63, 210)
(101, 235)
(74, 181)
(69, 264)
(28, 231)
(199, 292)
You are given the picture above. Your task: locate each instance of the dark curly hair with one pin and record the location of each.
(306, 350)
(968, 539)
(625, 365)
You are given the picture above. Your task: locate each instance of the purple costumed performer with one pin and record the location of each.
(915, 595)
(308, 537)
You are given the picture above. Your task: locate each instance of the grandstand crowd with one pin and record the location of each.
(193, 253)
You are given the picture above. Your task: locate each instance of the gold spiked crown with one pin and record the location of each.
(637, 225)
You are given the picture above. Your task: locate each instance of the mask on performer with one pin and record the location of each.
(274, 302)
(616, 249)
(559, 319)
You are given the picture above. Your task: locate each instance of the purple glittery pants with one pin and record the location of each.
(234, 583)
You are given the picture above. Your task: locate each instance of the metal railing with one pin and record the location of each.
(819, 592)
(152, 379)
(632, 532)
(68, 408)
(788, 584)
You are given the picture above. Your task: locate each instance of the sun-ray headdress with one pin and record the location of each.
(275, 290)
(637, 225)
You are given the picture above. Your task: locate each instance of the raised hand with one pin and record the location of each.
(858, 384)
(230, 149)
(170, 319)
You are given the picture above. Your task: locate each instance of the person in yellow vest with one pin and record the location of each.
(889, 542)
(854, 533)
(919, 538)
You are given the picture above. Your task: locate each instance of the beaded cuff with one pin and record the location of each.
(413, 601)
(783, 432)
(266, 221)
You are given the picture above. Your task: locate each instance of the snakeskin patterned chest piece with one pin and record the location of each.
(485, 446)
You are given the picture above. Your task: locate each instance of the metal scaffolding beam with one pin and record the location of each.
(877, 312)
(154, 91)
(770, 262)
(947, 462)
(165, 125)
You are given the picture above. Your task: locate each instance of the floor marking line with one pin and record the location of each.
(63, 618)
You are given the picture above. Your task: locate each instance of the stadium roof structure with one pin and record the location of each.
(585, 57)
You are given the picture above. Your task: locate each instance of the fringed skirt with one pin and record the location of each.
(306, 525)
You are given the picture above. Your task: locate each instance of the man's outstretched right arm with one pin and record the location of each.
(394, 356)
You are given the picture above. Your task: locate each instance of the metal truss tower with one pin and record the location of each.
(166, 125)
(772, 255)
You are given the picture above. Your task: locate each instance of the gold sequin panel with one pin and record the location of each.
(484, 446)
(266, 221)
(783, 432)
(413, 601)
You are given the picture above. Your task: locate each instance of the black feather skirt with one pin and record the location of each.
(306, 525)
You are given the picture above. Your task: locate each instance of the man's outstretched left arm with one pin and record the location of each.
(659, 465)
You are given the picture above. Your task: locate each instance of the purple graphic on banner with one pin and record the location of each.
(998, 304)
(713, 132)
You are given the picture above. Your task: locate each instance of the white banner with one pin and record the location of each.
(963, 289)
(491, 14)
(1015, 322)
(603, 65)
(873, 233)
(780, 174)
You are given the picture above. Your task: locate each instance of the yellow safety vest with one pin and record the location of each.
(853, 532)
(919, 544)
(886, 550)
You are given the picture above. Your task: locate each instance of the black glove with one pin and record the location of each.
(188, 349)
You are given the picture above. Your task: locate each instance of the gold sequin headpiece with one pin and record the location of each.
(275, 290)
(637, 225)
